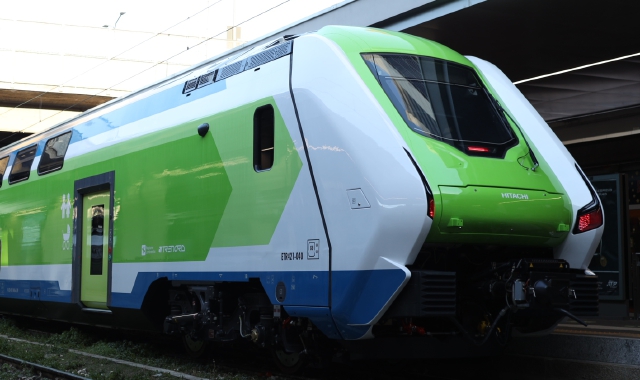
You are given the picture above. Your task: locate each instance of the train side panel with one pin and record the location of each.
(374, 201)
(186, 208)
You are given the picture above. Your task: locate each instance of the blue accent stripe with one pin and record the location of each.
(302, 288)
(140, 109)
(34, 290)
(358, 296)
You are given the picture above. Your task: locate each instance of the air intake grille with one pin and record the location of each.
(587, 299)
(190, 85)
(206, 79)
(428, 294)
(268, 55)
(232, 69)
(279, 50)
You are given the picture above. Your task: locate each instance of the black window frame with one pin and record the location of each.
(44, 149)
(13, 165)
(5, 168)
(493, 149)
(258, 138)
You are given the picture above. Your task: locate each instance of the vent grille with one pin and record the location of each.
(232, 69)
(206, 79)
(268, 55)
(279, 50)
(428, 294)
(587, 298)
(190, 85)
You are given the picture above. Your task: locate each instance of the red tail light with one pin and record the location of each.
(480, 149)
(590, 221)
(590, 216)
(432, 208)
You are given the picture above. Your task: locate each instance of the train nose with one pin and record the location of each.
(499, 215)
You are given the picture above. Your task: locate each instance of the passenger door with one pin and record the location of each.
(95, 249)
(92, 238)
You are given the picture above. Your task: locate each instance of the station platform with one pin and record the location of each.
(602, 327)
(606, 348)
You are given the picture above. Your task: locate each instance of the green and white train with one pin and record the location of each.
(348, 189)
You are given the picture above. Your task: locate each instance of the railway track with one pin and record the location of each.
(239, 360)
(43, 372)
(530, 362)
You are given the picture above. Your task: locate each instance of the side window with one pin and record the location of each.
(263, 128)
(3, 167)
(53, 156)
(97, 239)
(22, 165)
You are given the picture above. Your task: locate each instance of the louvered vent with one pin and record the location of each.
(190, 85)
(428, 294)
(268, 55)
(587, 296)
(206, 79)
(232, 69)
(271, 54)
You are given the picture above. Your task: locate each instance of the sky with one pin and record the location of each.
(114, 47)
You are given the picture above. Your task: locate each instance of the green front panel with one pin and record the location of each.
(95, 248)
(476, 214)
(444, 165)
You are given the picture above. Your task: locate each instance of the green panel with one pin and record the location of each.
(497, 215)
(93, 287)
(30, 217)
(171, 192)
(354, 40)
(258, 199)
(4, 247)
(173, 189)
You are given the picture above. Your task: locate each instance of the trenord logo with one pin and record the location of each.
(171, 248)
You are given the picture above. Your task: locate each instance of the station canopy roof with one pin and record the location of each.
(58, 58)
(575, 60)
(572, 59)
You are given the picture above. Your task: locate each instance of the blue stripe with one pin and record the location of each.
(302, 288)
(34, 290)
(140, 109)
(358, 296)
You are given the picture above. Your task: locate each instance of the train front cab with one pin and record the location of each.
(506, 238)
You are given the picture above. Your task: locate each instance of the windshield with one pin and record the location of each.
(443, 100)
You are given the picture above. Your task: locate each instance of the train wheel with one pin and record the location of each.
(288, 362)
(195, 348)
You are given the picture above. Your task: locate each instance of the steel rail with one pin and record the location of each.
(44, 369)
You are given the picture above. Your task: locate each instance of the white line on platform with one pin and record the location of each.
(598, 327)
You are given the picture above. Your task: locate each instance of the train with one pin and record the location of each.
(344, 193)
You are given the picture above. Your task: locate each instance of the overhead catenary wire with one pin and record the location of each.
(107, 60)
(147, 69)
